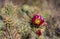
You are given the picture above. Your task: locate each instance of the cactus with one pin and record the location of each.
(15, 22)
(9, 10)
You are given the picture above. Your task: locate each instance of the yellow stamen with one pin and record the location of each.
(37, 21)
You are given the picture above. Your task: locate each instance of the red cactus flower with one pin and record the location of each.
(38, 32)
(37, 20)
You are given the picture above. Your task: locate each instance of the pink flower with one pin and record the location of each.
(37, 20)
(38, 32)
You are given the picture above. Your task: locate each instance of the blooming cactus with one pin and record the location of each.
(38, 32)
(37, 20)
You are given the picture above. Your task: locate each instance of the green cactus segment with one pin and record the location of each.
(9, 10)
(23, 26)
(1, 24)
(25, 7)
(41, 37)
(1, 33)
(0, 10)
(42, 30)
(26, 10)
